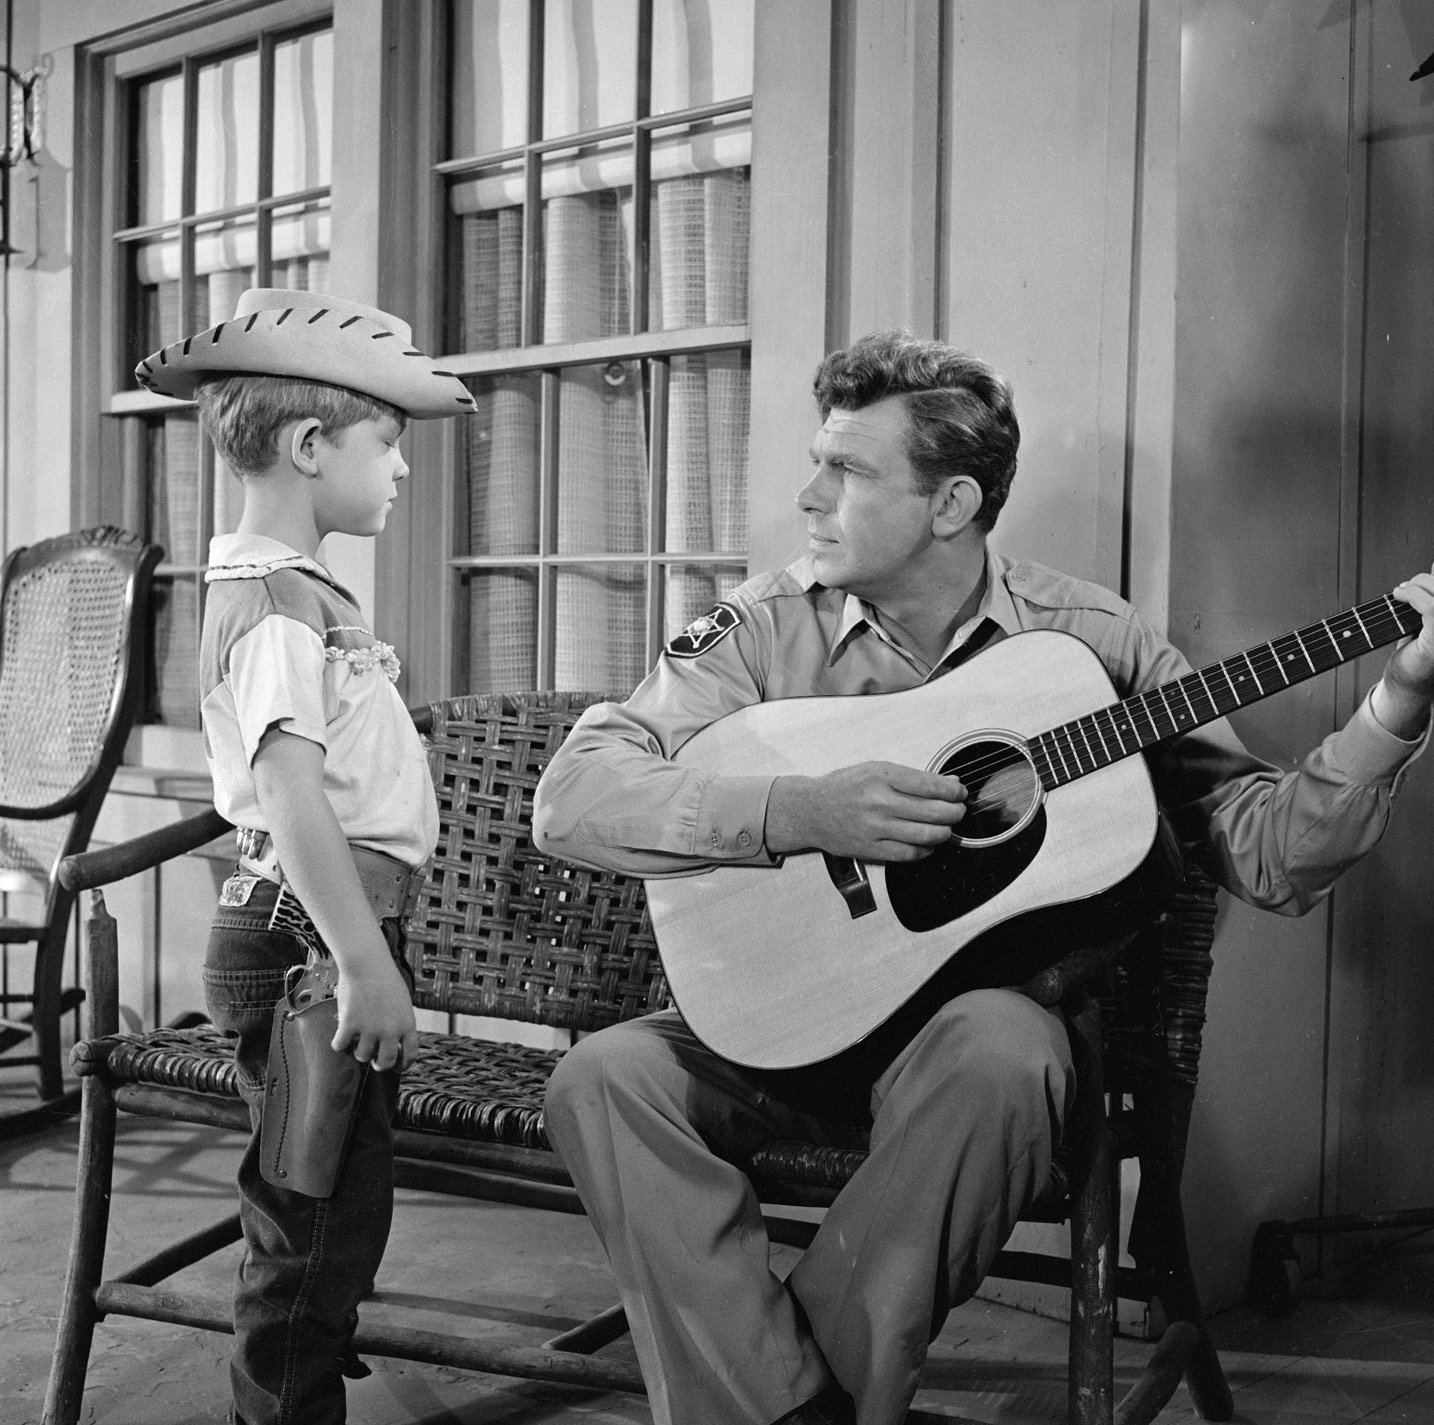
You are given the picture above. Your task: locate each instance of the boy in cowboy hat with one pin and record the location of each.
(316, 761)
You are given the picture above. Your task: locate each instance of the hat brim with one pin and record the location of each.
(318, 344)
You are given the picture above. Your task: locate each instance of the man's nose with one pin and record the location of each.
(401, 472)
(813, 496)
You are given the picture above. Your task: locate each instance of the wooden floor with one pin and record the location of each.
(1358, 1349)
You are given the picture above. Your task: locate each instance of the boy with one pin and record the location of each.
(316, 761)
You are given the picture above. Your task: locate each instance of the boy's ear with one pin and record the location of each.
(303, 445)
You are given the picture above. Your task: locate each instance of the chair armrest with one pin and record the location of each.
(114, 863)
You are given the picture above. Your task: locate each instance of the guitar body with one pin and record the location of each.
(776, 968)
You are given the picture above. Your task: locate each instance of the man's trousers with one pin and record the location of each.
(963, 1125)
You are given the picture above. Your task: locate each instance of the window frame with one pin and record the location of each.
(104, 393)
(435, 583)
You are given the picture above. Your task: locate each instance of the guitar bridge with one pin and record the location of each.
(849, 877)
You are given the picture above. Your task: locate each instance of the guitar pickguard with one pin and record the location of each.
(955, 879)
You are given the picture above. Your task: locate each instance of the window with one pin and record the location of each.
(596, 178)
(223, 183)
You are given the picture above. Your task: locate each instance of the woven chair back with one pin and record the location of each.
(67, 611)
(503, 929)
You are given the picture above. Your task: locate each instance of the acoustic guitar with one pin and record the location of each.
(783, 967)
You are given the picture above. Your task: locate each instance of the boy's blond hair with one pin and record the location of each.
(244, 414)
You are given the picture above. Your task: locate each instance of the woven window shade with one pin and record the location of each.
(698, 256)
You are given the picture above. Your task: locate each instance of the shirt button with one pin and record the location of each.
(744, 838)
(716, 838)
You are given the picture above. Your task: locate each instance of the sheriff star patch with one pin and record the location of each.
(705, 632)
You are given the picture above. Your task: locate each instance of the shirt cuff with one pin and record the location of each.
(731, 819)
(1367, 752)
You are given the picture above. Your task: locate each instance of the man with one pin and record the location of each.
(965, 1105)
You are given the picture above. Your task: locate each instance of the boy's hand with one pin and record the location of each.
(376, 1022)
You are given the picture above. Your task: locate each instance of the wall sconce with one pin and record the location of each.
(22, 140)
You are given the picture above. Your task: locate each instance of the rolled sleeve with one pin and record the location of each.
(276, 671)
(614, 798)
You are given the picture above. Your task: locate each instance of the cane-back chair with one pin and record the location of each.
(504, 930)
(72, 624)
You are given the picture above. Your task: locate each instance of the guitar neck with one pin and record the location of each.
(1076, 748)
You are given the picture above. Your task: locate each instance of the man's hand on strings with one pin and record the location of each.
(874, 811)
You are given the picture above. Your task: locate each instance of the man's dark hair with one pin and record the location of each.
(962, 419)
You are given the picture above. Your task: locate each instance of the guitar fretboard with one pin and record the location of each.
(1122, 729)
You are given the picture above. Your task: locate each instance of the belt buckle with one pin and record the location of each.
(250, 841)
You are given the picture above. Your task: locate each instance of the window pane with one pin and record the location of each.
(487, 306)
(497, 509)
(587, 243)
(701, 52)
(299, 247)
(303, 112)
(227, 133)
(699, 225)
(158, 151)
(490, 77)
(224, 256)
(691, 590)
(601, 628)
(155, 315)
(602, 460)
(498, 620)
(589, 64)
(174, 693)
(174, 489)
(707, 417)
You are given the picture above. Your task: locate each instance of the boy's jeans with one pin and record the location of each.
(309, 1261)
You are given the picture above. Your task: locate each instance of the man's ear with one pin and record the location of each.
(959, 504)
(303, 445)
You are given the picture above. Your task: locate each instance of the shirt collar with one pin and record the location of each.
(254, 556)
(996, 604)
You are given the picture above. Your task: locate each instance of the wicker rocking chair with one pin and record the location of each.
(503, 930)
(72, 620)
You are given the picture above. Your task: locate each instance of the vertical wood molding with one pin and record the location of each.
(1120, 293)
(361, 212)
(791, 125)
(892, 186)
(1151, 401)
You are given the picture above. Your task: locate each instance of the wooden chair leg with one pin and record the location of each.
(78, 1314)
(1160, 1245)
(45, 1020)
(1094, 1231)
(94, 1177)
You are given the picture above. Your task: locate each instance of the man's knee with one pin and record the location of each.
(611, 1065)
(1002, 1044)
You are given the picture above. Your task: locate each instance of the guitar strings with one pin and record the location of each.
(1378, 622)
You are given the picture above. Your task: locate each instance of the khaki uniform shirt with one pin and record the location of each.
(613, 798)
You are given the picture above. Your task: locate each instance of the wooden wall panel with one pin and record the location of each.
(1254, 540)
(1038, 168)
(1381, 1092)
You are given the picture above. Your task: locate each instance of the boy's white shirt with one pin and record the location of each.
(286, 646)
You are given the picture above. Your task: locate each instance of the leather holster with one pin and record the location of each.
(312, 1091)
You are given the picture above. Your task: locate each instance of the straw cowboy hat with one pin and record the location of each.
(278, 332)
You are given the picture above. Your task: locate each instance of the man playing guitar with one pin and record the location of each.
(965, 1100)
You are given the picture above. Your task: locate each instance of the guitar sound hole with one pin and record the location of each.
(1002, 789)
